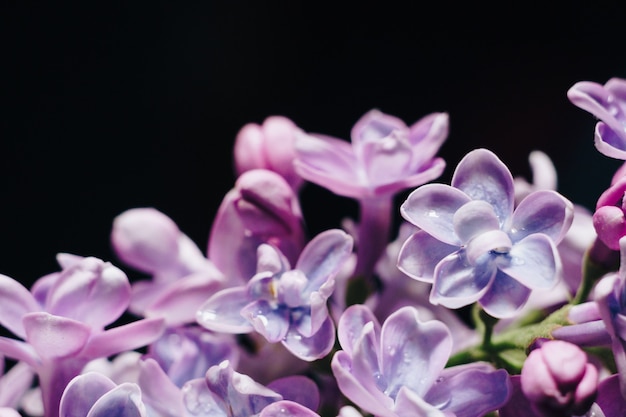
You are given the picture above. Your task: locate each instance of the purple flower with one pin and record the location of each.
(268, 146)
(609, 219)
(283, 304)
(397, 369)
(261, 208)
(182, 278)
(608, 103)
(476, 246)
(62, 322)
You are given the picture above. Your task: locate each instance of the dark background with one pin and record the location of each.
(109, 106)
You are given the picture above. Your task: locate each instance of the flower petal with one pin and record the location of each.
(15, 302)
(504, 297)
(409, 404)
(375, 125)
(82, 392)
(420, 254)
(297, 388)
(413, 352)
(55, 337)
(286, 408)
(159, 392)
(428, 133)
(270, 321)
(222, 312)
(431, 207)
(483, 176)
(129, 336)
(351, 324)
(533, 261)
(314, 347)
(386, 160)
(123, 401)
(544, 212)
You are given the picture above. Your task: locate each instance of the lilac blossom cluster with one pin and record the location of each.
(494, 296)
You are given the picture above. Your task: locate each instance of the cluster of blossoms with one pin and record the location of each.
(494, 296)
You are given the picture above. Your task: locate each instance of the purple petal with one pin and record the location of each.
(91, 291)
(427, 172)
(544, 212)
(386, 160)
(351, 324)
(9, 412)
(431, 207)
(458, 284)
(323, 257)
(420, 254)
(375, 125)
(15, 383)
(314, 347)
(299, 389)
(200, 401)
(82, 393)
(428, 134)
(609, 142)
(287, 409)
(413, 352)
(472, 393)
(222, 312)
(160, 393)
(15, 302)
(360, 391)
(123, 401)
(482, 176)
(129, 336)
(610, 399)
(270, 321)
(533, 261)
(504, 297)
(409, 404)
(53, 336)
(16, 349)
(474, 218)
(270, 259)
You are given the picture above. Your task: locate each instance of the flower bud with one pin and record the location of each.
(558, 380)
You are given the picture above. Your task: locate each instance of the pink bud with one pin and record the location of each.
(558, 380)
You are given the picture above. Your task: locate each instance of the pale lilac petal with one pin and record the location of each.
(299, 389)
(431, 207)
(413, 353)
(181, 300)
(314, 347)
(159, 392)
(428, 133)
(82, 392)
(351, 322)
(91, 291)
(129, 336)
(544, 212)
(328, 162)
(386, 159)
(15, 383)
(504, 297)
(323, 257)
(270, 259)
(200, 401)
(458, 284)
(280, 138)
(361, 392)
(55, 337)
(472, 393)
(483, 176)
(375, 125)
(40, 288)
(287, 409)
(21, 351)
(9, 412)
(420, 254)
(267, 320)
(144, 293)
(15, 302)
(123, 401)
(474, 218)
(534, 262)
(249, 150)
(410, 404)
(428, 172)
(609, 142)
(222, 312)
(588, 334)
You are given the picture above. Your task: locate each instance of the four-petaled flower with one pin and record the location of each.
(475, 245)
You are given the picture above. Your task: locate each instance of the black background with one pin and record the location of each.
(109, 106)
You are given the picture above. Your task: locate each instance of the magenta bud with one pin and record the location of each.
(558, 380)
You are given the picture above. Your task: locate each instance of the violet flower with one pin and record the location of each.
(385, 156)
(476, 246)
(608, 103)
(283, 304)
(181, 277)
(609, 219)
(62, 322)
(397, 369)
(261, 208)
(268, 146)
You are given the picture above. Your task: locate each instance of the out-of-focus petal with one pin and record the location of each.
(82, 392)
(15, 383)
(314, 347)
(123, 401)
(543, 211)
(458, 283)
(375, 125)
(15, 302)
(431, 207)
(158, 391)
(504, 297)
(286, 408)
(420, 254)
(483, 176)
(19, 350)
(386, 159)
(429, 133)
(413, 353)
(129, 336)
(55, 337)
(222, 312)
(534, 262)
(299, 389)
(610, 399)
(91, 291)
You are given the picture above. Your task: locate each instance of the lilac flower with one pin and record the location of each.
(94, 395)
(475, 246)
(261, 208)
(608, 103)
(385, 157)
(285, 305)
(397, 369)
(609, 219)
(62, 322)
(181, 276)
(558, 380)
(268, 146)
